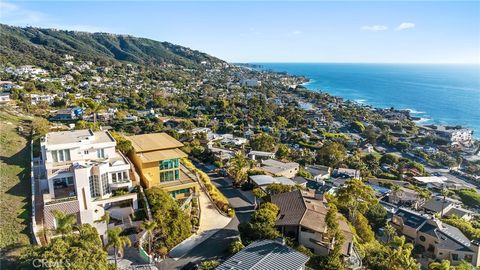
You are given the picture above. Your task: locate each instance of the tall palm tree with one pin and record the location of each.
(65, 223)
(117, 241)
(94, 109)
(149, 227)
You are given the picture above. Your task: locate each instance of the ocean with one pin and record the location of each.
(438, 94)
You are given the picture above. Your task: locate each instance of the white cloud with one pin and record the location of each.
(16, 15)
(374, 28)
(7, 8)
(405, 26)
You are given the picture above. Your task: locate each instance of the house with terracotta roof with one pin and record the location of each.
(302, 217)
(157, 159)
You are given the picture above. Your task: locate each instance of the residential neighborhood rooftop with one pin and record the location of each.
(265, 254)
(77, 136)
(153, 156)
(153, 141)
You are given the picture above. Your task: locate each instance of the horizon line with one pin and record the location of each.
(330, 62)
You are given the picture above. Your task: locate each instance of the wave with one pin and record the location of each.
(360, 101)
(413, 111)
(423, 120)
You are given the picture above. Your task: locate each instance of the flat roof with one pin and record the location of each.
(153, 141)
(161, 155)
(262, 180)
(431, 179)
(77, 136)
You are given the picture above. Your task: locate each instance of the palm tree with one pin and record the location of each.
(390, 232)
(149, 227)
(91, 106)
(400, 255)
(64, 222)
(117, 241)
(237, 166)
(94, 109)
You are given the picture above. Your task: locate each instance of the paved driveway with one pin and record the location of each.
(211, 221)
(216, 246)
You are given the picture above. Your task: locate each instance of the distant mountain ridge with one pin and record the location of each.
(24, 45)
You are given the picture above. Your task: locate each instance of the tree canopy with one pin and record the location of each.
(173, 225)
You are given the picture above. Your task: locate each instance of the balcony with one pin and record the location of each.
(124, 183)
(61, 195)
(64, 192)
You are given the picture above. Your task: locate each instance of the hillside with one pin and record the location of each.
(36, 45)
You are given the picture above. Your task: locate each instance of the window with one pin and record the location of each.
(120, 177)
(61, 155)
(70, 180)
(101, 153)
(94, 186)
(468, 258)
(62, 182)
(422, 238)
(169, 164)
(180, 191)
(105, 186)
(303, 229)
(169, 176)
(454, 257)
(85, 152)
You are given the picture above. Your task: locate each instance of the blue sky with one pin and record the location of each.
(269, 31)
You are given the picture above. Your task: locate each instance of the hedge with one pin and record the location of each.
(217, 196)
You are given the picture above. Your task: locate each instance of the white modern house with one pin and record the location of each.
(80, 172)
(37, 98)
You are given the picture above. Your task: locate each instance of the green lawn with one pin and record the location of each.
(14, 184)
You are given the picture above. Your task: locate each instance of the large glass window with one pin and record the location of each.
(105, 186)
(62, 182)
(94, 186)
(172, 175)
(169, 164)
(61, 155)
(118, 177)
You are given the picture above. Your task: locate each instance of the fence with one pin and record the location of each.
(33, 223)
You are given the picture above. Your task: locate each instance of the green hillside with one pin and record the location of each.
(36, 45)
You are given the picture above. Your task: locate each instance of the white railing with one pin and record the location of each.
(33, 223)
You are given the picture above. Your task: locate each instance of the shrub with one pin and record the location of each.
(218, 198)
(209, 265)
(465, 226)
(235, 247)
(469, 197)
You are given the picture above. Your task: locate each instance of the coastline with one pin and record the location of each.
(422, 116)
